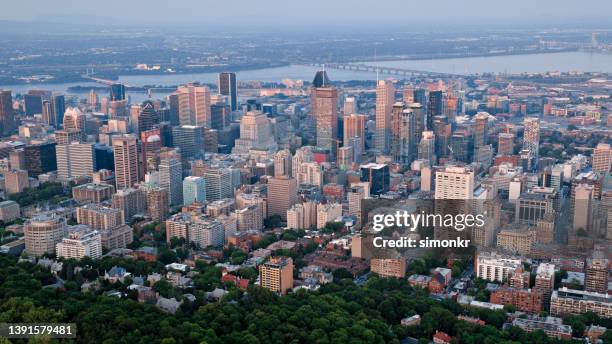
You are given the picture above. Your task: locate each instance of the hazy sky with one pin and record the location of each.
(308, 12)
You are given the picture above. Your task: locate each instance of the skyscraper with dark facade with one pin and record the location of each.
(378, 176)
(229, 88)
(148, 117)
(32, 104)
(435, 107)
(59, 108)
(40, 158)
(7, 115)
(117, 92)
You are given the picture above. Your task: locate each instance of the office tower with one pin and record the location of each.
(15, 181)
(17, 159)
(220, 116)
(419, 117)
(345, 157)
(117, 92)
(157, 203)
(282, 195)
(596, 273)
(350, 106)
(443, 131)
(228, 87)
(427, 147)
(408, 94)
(40, 158)
(385, 97)
(302, 154)
(174, 105)
(74, 122)
(545, 281)
(458, 146)
(80, 242)
(354, 126)
(282, 163)
(59, 108)
(150, 141)
(190, 139)
(126, 161)
(377, 175)
(531, 137)
(602, 158)
(211, 140)
(32, 103)
(403, 134)
(324, 101)
(533, 205)
(130, 202)
(194, 190)
(92, 99)
(480, 129)
(420, 97)
(7, 115)
(98, 216)
(105, 157)
(255, 133)
(194, 105)
(47, 113)
(434, 107)
(276, 274)
(171, 177)
(42, 233)
(218, 182)
(148, 117)
(505, 145)
(582, 207)
(75, 160)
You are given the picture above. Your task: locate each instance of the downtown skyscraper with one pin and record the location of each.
(228, 87)
(324, 100)
(194, 105)
(385, 97)
(531, 137)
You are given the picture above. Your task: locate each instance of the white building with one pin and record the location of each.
(82, 241)
(495, 267)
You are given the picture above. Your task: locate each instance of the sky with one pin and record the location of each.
(307, 12)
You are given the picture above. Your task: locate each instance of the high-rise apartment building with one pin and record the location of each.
(277, 274)
(531, 137)
(228, 87)
(505, 145)
(403, 134)
(157, 202)
(126, 161)
(454, 182)
(354, 127)
(389, 267)
(130, 202)
(385, 97)
(596, 273)
(43, 232)
(282, 163)
(80, 242)
(98, 216)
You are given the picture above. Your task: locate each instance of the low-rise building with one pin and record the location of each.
(568, 301)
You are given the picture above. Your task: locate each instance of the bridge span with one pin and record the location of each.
(362, 67)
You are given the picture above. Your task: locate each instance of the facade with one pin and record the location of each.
(218, 183)
(602, 158)
(531, 138)
(99, 217)
(596, 274)
(194, 105)
(228, 87)
(277, 274)
(378, 177)
(454, 182)
(95, 193)
(354, 127)
(130, 202)
(525, 300)
(170, 178)
(190, 139)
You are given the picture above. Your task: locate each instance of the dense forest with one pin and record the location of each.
(339, 312)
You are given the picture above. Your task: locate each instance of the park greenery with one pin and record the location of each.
(339, 312)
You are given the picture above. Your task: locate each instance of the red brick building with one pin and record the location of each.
(526, 300)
